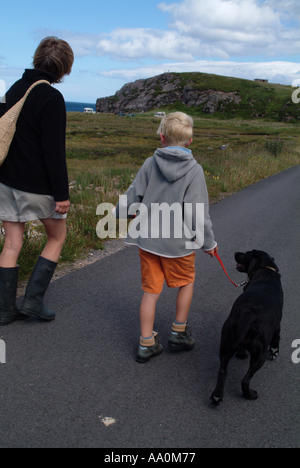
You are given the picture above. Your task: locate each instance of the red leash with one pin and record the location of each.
(221, 263)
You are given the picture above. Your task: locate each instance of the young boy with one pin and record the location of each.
(170, 197)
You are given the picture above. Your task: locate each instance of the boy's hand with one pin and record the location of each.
(212, 252)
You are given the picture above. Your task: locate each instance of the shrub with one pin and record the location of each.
(274, 147)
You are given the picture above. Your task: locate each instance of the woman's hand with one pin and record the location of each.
(62, 207)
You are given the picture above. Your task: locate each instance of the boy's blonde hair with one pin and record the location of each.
(177, 128)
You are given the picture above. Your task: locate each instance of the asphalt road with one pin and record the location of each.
(62, 378)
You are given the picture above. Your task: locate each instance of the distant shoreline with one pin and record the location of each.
(78, 106)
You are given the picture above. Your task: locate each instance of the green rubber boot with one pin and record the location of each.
(8, 293)
(38, 283)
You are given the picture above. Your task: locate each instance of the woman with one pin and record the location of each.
(34, 179)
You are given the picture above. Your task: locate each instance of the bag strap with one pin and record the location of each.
(22, 101)
(19, 105)
(33, 86)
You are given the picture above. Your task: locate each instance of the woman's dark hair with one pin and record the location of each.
(54, 56)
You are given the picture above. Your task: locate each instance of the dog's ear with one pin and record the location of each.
(269, 262)
(260, 259)
(255, 262)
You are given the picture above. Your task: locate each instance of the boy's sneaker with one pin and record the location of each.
(145, 353)
(181, 338)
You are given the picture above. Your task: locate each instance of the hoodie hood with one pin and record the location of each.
(174, 162)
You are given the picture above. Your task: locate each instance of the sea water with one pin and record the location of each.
(78, 106)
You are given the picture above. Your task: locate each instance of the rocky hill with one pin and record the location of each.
(204, 94)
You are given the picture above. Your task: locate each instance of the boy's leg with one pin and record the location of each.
(147, 313)
(152, 285)
(184, 300)
(181, 337)
(180, 273)
(149, 344)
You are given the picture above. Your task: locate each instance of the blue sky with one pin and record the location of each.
(118, 41)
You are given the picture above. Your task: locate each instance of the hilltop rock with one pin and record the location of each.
(163, 91)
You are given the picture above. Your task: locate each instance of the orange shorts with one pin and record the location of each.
(156, 270)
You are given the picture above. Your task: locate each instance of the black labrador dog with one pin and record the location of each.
(254, 322)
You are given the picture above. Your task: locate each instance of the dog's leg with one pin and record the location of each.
(258, 358)
(274, 346)
(241, 353)
(217, 395)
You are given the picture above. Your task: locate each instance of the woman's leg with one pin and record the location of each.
(44, 269)
(56, 233)
(9, 272)
(12, 245)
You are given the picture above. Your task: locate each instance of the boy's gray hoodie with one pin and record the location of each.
(165, 225)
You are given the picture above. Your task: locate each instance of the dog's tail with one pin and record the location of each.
(235, 330)
(242, 327)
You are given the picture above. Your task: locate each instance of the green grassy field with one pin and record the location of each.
(114, 147)
(259, 99)
(105, 152)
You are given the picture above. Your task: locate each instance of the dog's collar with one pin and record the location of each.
(263, 268)
(271, 268)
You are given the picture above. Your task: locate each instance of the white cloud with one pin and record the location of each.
(223, 16)
(236, 27)
(128, 44)
(275, 72)
(218, 29)
(2, 88)
(237, 38)
(136, 44)
(289, 9)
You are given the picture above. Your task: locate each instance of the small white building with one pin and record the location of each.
(160, 114)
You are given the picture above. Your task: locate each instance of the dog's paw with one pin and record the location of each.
(273, 354)
(250, 394)
(215, 400)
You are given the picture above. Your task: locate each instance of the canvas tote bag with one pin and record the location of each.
(8, 123)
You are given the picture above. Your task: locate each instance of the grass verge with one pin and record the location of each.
(105, 152)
